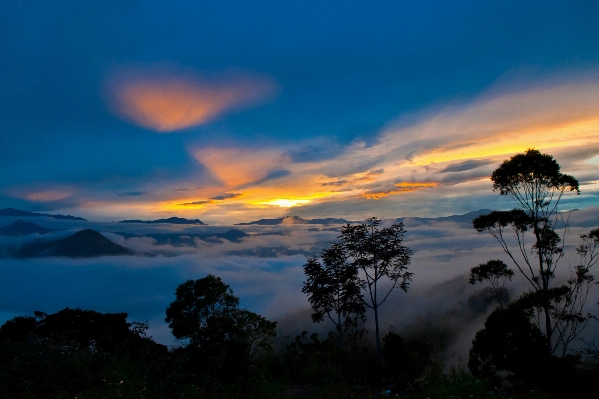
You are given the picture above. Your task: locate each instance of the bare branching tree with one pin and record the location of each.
(334, 289)
(380, 255)
(534, 181)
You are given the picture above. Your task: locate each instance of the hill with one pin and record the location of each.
(294, 220)
(21, 228)
(25, 214)
(171, 220)
(86, 243)
(232, 235)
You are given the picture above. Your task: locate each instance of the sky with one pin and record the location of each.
(231, 111)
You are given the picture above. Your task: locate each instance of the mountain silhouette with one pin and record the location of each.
(171, 220)
(183, 239)
(21, 228)
(25, 214)
(86, 243)
(465, 219)
(294, 220)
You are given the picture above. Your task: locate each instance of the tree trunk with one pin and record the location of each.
(545, 282)
(378, 337)
(339, 331)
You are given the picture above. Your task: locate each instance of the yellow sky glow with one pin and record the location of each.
(403, 160)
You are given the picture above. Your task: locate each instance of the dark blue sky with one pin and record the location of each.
(343, 73)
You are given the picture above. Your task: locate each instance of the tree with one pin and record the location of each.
(380, 255)
(201, 310)
(495, 272)
(534, 181)
(334, 289)
(207, 314)
(510, 345)
(254, 331)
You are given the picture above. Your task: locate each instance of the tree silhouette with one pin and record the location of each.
(380, 255)
(201, 310)
(510, 345)
(534, 181)
(495, 272)
(334, 289)
(207, 315)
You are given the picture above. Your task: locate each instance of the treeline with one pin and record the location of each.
(531, 347)
(225, 352)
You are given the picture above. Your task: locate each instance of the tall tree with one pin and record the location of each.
(334, 289)
(379, 255)
(534, 181)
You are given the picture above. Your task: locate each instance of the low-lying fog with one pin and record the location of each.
(264, 269)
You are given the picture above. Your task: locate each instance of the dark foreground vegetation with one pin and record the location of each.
(86, 354)
(530, 347)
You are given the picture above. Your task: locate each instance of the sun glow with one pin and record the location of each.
(287, 203)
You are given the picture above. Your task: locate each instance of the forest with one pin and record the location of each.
(531, 345)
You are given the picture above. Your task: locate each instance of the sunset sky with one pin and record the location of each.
(231, 111)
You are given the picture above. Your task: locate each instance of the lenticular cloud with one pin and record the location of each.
(167, 99)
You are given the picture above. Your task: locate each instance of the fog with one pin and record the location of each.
(265, 270)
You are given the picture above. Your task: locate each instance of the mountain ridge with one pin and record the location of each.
(7, 212)
(22, 228)
(171, 220)
(289, 220)
(85, 243)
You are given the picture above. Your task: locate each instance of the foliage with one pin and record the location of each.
(334, 289)
(380, 255)
(510, 353)
(534, 181)
(405, 360)
(222, 338)
(510, 344)
(79, 353)
(310, 360)
(457, 385)
(495, 272)
(202, 311)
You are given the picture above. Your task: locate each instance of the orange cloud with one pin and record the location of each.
(48, 195)
(40, 195)
(235, 166)
(166, 100)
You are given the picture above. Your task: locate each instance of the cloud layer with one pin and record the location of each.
(265, 270)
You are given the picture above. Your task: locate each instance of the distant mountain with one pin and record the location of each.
(21, 228)
(171, 220)
(232, 235)
(86, 243)
(25, 214)
(462, 219)
(294, 220)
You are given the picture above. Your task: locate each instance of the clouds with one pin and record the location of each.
(334, 117)
(166, 99)
(265, 270)
(215, 199)
(238, 166)
(465, 165)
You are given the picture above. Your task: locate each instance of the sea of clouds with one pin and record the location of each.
(265, 269)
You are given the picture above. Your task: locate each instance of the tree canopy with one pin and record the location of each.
(334, 288)
(376, 253)
(207, 314)
(535, 182)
